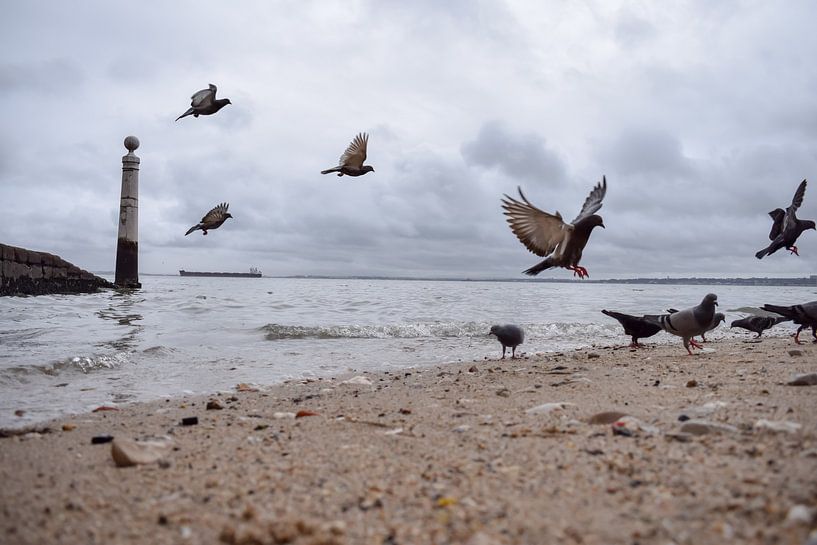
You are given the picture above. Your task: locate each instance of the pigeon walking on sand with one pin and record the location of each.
(786, 227)
(508, 335)
(212, 219)
(351, 162)
(804, 315)
(758, 324)
(689, 322)
(637, 327)
(204, 102)
(716, 320)
(547, 235)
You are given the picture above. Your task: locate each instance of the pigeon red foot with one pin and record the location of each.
(581, 272)
(793, 250)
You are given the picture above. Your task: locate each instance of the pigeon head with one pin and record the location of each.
(227, 215)
(494, 330)
(710, 299)
(719, 317)
(808, 224)
(595, 221)
(367, 168)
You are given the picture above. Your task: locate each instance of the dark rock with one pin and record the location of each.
(190, 421)
(692, 383)
(809, 379)
(101, 439)
(214, 405)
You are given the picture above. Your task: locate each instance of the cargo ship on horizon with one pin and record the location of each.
(254, 273)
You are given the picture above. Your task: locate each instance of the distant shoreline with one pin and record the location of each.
(810, 281)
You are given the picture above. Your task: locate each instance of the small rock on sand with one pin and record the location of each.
(809, 379)
(546, 408)
(126, 452)
(359, 380)
(606, 417)
(630, 426)
(702, 427)
(214, 405)
(781, 425)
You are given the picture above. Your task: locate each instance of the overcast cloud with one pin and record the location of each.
(702, 115)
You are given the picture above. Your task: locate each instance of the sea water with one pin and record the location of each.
(63, 354)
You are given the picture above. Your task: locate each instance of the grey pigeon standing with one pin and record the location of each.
(547, 235)
(508, 335)
(351, 162)
(690, 322)
(786, 228)
(804, 315)
(204, 102)
(212, 219)
(758, 324)
(637, 327)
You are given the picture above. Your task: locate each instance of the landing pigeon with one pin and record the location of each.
(690, 322)
(212, 219)
(758, 324)
(508, 335)
(351, 162)
(637, 327)
(205, 103)
(804, 315)
(786, 227)
(547, 235)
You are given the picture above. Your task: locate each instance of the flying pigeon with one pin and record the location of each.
(509, 335)
(804, 315)
(205, 103)
(637, 327)
(759, 324)
(547, 235)
(351, 162)
(212, 219)
(689, 322)
(786, 227)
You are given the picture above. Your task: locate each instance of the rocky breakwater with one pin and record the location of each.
(26, 272)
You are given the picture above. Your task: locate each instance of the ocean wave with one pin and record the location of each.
(433, 330)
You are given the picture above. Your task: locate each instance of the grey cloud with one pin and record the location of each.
(58, 76)
(517, 155)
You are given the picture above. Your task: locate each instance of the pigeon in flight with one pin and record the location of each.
(804, 315)
(212, 219)
(509, 335)
(637, 327)
(351, 162)
(759, 324)
(547, 235)
(205, 103)
(689, 322)
(786, 227)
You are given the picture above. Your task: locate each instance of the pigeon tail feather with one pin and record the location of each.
(539, 267)
(197, 226)
(327, 171)
(185, 114)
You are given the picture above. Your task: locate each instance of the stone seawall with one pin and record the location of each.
(26, 272)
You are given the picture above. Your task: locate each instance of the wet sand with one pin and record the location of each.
(448, 454)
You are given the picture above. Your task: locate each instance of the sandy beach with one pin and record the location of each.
(718, 448)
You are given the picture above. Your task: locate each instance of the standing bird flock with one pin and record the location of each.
(562, 245)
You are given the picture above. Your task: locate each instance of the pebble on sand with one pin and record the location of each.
(214, 405)
(126, 452)
(359, 380)
(702, 427)
(779, 425)
(809, 379)
(606, 417)
(546, 408)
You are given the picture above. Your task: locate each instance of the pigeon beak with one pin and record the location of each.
(602, 226)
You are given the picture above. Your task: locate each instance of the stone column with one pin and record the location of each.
(127, 245)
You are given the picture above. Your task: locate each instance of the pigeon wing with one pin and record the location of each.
(355, 154)
(204, 97)
(777, 222)
(790, 219)
(593, 201)
(216, 214)
(538, 230)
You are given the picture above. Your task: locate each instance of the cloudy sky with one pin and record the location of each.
(703, 116)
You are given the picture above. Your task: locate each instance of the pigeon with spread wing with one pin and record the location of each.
(351, 162)
(547, 235)
(204, 102)
(786, 227)
(212, 219)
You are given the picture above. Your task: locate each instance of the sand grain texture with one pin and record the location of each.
(444, 454)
